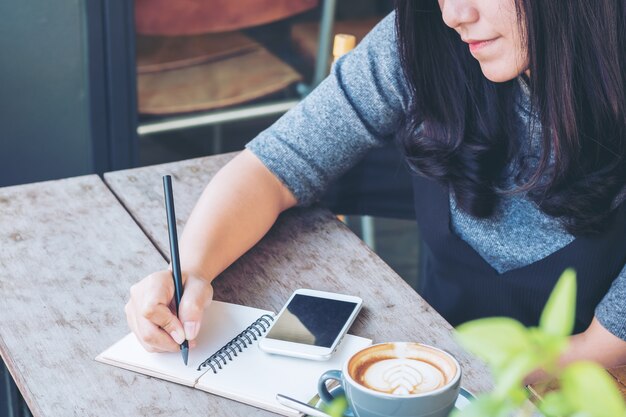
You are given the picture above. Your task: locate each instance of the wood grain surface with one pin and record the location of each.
(69, 255)
(307, 248)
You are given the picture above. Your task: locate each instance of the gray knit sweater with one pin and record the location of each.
(361, 106)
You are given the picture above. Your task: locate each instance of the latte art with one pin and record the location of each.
(402, 368)
(402, 376)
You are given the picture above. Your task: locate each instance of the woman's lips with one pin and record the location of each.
(475, 46)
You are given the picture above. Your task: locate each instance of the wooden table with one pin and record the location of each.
(71, 251)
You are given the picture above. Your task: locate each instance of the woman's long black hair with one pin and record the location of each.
(460, 129)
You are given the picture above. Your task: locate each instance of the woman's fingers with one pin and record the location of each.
(196, 296)
(150, 317)
(155, 339)
(131, 319)
(161, 316)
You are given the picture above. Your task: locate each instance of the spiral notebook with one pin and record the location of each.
(228, 362)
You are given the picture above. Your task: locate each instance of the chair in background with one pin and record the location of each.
(193, 17)
(216, 71)
(192, 57)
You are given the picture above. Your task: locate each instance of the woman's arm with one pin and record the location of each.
(234, 212)
(246, 198)
(595, 344)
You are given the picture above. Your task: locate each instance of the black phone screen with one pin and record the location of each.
(312, 320)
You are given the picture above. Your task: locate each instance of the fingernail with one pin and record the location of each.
(191, 329)
(177, 336)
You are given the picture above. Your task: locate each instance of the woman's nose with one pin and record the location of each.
(458, 12)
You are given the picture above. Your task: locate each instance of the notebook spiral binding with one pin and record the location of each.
(238, 343)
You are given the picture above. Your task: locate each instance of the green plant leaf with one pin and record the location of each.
(559, 313)
(555, 404)
(495, 340)
(549, 347)
(518, 395)
(509, 377)
(589, 389)
(337, 407)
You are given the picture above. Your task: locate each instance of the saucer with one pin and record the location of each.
(462, 400)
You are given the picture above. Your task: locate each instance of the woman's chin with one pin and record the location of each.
(497, 74)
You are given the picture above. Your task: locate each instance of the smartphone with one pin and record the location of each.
(311, 324)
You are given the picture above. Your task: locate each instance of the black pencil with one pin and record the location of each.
(178, 279)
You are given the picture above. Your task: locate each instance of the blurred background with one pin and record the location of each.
(95, 86)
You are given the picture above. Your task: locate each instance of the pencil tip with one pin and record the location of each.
(185, 352)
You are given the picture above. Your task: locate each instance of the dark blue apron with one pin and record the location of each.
(462, 286)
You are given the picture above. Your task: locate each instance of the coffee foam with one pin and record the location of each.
(402, 368)
(403, 376)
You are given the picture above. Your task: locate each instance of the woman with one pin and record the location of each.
(511, 113)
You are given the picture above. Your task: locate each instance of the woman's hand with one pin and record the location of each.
(150, 315)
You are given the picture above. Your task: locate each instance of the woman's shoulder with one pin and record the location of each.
(386, 28)
(382, 39)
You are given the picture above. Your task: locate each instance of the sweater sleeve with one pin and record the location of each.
(359, 106)
(611, 312)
